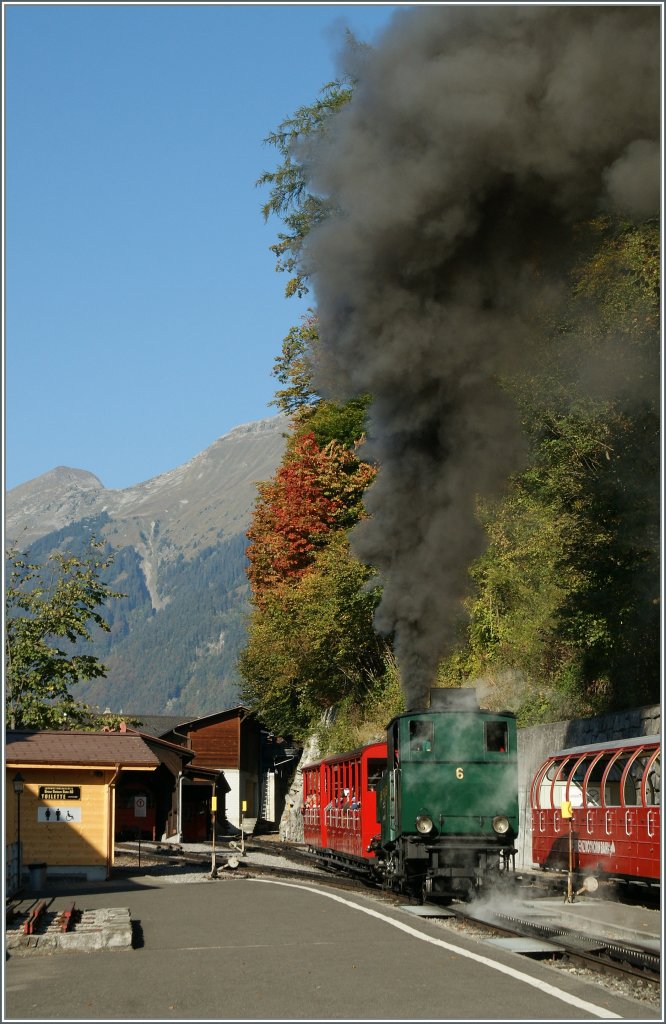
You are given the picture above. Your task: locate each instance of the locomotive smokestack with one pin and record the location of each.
(459, 699)
(475, 137)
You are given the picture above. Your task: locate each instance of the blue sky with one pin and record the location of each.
(143, 312)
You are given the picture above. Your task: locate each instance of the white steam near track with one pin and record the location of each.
(476, 136)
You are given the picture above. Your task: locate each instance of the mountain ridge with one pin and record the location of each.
(179, 555)
(62, 495)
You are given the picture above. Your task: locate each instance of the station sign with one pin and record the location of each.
(59, 792)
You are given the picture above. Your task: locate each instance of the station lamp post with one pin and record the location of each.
(18, 783)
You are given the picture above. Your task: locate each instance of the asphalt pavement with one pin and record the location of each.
(237, 948)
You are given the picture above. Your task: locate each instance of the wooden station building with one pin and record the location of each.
(64, 815)
(255, 764)
(83, 791)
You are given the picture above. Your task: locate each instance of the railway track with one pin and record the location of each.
(595, 952)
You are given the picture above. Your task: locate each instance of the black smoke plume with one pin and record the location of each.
(475, 137)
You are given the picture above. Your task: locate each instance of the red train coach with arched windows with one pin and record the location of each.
(340, 806)
(614, 791)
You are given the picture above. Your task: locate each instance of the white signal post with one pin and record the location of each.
(213, 811)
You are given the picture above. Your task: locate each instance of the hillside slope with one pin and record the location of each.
(179, 542)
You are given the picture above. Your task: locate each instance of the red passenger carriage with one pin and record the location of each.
(614, 791)
(340, 806)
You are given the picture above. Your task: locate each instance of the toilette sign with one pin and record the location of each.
(58, 815)
(59, 792)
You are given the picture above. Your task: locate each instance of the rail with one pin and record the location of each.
(34, 918)
(67, 917)
(597, 952)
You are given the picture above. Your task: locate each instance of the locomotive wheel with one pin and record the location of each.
(413, 886)
(412, 891)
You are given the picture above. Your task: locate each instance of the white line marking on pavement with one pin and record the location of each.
(565, 997)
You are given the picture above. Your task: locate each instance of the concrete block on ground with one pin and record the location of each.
(104, 928)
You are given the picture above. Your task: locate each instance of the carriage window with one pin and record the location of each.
(497, 736)
(612, 787)
(632, 785)
(421, 736)
(593, 792)
(653, 785)
(577, 781)
(376, 769)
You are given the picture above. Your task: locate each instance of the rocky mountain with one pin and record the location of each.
(179, 556)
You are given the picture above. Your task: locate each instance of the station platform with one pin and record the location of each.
(608, 920)
(594, 918)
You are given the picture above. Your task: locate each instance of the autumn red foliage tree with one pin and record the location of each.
(314, 491)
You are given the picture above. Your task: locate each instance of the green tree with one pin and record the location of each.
(313, 643)
(565, 615)
(48, 609)
(293, 367)
(289, 199)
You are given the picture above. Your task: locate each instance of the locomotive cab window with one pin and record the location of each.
(421, 738)
(497, 736)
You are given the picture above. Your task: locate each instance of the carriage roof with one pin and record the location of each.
(629, 744)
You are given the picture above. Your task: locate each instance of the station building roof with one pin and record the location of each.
(156, 725)
(162, 725)
(60, 747)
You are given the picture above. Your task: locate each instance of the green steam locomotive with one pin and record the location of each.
(431, 811)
